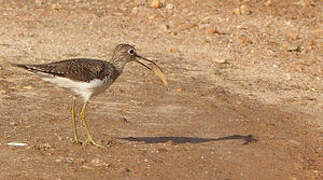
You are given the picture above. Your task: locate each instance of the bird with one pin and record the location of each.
(86, 78)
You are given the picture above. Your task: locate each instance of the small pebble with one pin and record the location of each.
(174, 50)
(268, 3)
(294, 48)
(28, 87)
(56, 7)
(69, 160)
(12, 123)
(86, 167)
(161, 150)
(245, 10)
(98, 162)
(213, 30)
(59, 159)
(236, 11)
(242, 10)
(46, 146)
(134, 10)
(39, 2)
(156, 4)
(17, 144)
(169, 6)
(82, 160)
(220, 61)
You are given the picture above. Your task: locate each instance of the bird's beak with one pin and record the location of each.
(155, 68)
(140, 57)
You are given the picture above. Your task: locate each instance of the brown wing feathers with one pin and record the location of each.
(38, 68)
(75, 69)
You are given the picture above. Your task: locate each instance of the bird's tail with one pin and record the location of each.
(6, 63)
(25, 66)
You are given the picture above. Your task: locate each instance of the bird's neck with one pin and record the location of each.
(119, 64)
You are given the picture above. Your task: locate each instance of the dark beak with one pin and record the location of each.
(140, 57)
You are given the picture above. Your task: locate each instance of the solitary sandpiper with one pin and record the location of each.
(86, 78)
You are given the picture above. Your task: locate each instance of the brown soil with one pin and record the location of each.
(245, 99)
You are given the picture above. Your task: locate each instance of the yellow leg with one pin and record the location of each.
(76, 138)
(89, 137)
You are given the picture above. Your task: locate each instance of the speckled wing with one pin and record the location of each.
(74, 69)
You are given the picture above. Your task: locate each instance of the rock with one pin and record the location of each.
(169, 6)
(213, 30)
(87, 167)
(127, 170)
(156, 4)
(39, 2)
(44, 147)
(28, 87)
(97, 162)
(268, 3)
(82, 160)
(294, 48)
(12, 124)
(242, 10)
(56, 7)
(70, 160)
(245, 10)
(166, 27)
(134, 10)
(174, 50)
(236, 11)
(60, 159)
(220, 61)
(162, 150)
(17, 144)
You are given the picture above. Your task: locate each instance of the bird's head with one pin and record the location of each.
(125, 53)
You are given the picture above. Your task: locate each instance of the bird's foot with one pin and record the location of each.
(90, 140)
(76, 141)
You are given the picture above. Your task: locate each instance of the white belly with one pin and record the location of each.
(83, 89)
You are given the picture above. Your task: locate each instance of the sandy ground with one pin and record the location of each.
(245, 99)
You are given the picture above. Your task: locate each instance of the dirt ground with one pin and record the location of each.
(245, 96)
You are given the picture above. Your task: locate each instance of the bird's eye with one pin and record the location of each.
(131, 51)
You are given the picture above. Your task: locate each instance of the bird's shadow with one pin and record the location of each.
(180, 140)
